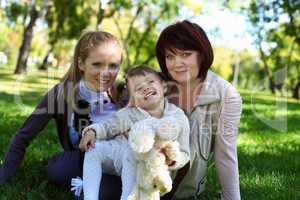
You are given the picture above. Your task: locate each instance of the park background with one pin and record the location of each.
(256, 46)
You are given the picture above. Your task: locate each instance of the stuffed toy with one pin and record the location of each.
(154, 143)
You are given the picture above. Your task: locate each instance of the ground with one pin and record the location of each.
(269, 161)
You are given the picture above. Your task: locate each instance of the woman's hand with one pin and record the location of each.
(88, 140)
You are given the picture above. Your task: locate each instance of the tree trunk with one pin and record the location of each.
(272, 86)
(100, 15)
(296, 91)
(27, 37)
(25, 47)
(45, 63)
(236, 71)
(58, 62)
(267, 70)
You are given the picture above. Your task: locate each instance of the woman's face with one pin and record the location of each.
(183, 65)
(102, 65)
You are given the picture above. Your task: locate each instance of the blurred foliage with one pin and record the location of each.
(10, 38)
(66, 24)
(250, 72)
(138, 28)
(68, 21)
(276, 26)
(16, 11)
(63, 52)
(274, 23)
(193, 5)
(224, 59)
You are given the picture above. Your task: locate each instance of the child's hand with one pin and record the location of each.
(88, 140)
(169, 162)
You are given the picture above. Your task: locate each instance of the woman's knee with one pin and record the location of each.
(63, 167)
(111, 187)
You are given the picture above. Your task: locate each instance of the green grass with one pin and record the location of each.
(269, 161)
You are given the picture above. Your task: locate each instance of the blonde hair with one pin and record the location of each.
(87, 42)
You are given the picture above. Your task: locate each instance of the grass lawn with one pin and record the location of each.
(269, 160)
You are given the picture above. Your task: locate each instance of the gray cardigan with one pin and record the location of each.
(214, 123)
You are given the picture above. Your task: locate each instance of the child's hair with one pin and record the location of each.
(140, 70)
(85, 44)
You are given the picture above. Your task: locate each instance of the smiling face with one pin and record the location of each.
(182, 65)
(147, 91)
(101, 66)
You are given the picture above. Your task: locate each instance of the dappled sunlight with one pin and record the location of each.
(271, 185)
(271, 143)
(19, 84)
(266, 96)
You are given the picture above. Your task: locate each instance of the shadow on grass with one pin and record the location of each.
(6, 77)
(269, 102)
(33, 186)
(251, 124)
(13, 114)
(30, 181)
(272, 176)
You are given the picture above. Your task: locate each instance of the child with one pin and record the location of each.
(146, 91)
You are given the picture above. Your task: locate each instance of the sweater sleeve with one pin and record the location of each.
(118, 124)
(31, 127)
(183, 140)
(225, 157)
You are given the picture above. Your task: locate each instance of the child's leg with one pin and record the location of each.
(128, 173)
(92, 168)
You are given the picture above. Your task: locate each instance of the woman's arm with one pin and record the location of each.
(225, 157)
(31, 127)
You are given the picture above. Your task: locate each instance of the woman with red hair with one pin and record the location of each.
(212, 105)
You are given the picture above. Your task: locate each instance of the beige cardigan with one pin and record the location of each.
(214, 123)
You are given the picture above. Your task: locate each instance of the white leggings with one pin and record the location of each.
(112, 157)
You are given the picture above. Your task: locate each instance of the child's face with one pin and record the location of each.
(101, 67)
(147, 92)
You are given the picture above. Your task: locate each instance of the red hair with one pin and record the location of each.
(185, 35)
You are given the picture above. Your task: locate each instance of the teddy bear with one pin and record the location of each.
(154, 144)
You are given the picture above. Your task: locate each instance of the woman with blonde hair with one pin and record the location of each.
(85, 95)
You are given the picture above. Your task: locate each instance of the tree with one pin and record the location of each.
(276, 24)
(138, 28)
(224, 59)
(35, 11)
(257, 16)
(107, 11)
(66, 22)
